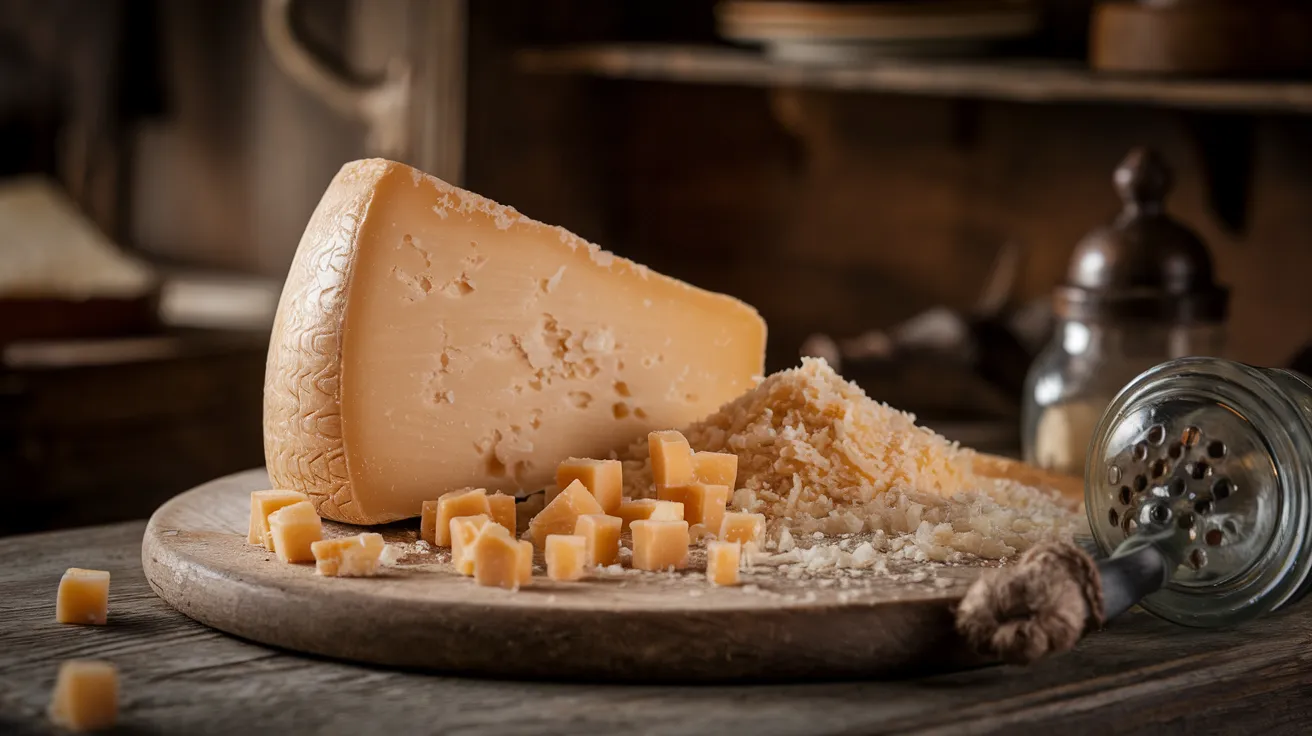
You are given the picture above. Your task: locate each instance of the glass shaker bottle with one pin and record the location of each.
(1139, 292)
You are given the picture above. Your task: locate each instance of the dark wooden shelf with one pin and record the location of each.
(1035, 81)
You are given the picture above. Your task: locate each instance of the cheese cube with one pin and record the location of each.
(603, 479)
(743, 528)
(566, 554)
(428, 522)
(649, 508)
(83, 597)
(293, 530)
(660, 545)
(464, 532)
(603, 535)
(85, 696)
(348, 557)
(467, 502)
(264, 503)
(722, 562)
(671, 458)
(499, 558)
(715, 468)
(560, 516)
(503, 510)
(704, 504)
(525, 570)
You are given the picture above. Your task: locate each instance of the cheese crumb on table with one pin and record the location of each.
(502, 509)
(603, 535)
(499, 559)
(649, 508)
(348, 557)
(428, 522)
(560, 516)
(603, 479)
(671, 458)
(83, 597)
(293, 530)
(85, 696)
(464, 532)
(465, 502)
(566, 555)
(660, 545)
(722, 561)
(742, 528)
(715, 468)
(264, 503)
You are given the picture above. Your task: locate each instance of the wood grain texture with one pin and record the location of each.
(1141, 676)
(635, 627)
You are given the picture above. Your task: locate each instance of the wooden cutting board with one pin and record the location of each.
(635, 626)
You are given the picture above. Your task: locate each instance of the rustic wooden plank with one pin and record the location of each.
(1140, 676)
(1014, 80)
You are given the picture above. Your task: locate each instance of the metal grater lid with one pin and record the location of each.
(1145, 266)
(1202, 456)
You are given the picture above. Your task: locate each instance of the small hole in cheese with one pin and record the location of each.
(620, 410)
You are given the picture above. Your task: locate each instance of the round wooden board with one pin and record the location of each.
(631, 626)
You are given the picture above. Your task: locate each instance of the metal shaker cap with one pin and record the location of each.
(1145, 266)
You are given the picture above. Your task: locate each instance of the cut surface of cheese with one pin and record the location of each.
(348, 557)
(471, 502)
(660, 545)
(741, 527)
(649, 508)
(83, 597)
(499, 560)
(464, 532)
(566, 556)
(716, 468)
(264, 503)
(560, 516)
(293, 530)
(86, 695)
(603, 478)
(503, 511)
(704, 504)
(722, 562)
(428, 521)
(671, 459)
(428, 338)
(603, 535)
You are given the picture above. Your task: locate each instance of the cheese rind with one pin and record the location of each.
(348, 557)
(566, 555)
(603, 478)
(83, 597)
(560, 516)
(85, 696)
(603, 535)
(660, 545)
(264, 503)
(294, 529)
(430, 338)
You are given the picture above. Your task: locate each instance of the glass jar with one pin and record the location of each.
(1076, 376)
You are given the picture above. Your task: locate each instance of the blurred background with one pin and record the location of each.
(897, 186)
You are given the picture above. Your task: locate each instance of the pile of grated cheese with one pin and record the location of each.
(818, 456)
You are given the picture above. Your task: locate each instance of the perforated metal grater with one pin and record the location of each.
(1198, 484)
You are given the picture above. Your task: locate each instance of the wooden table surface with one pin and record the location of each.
(1141, 675)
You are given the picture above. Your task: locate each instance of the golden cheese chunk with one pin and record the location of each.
(603, 535)
(742, 528)
(499, 560)
(704, 504)
(649, 508)
(264, 503)
(428, 338)
(348, 557)
(560, 516)
(464, 532)
(722, 561)
(85, 696)
(467, 502)
(428, 521)
(715, 468)
(566, 555)
(83, 597)
(671, 459)
(660, 545)
(503, 511)
(603, 479)
(294, 529)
